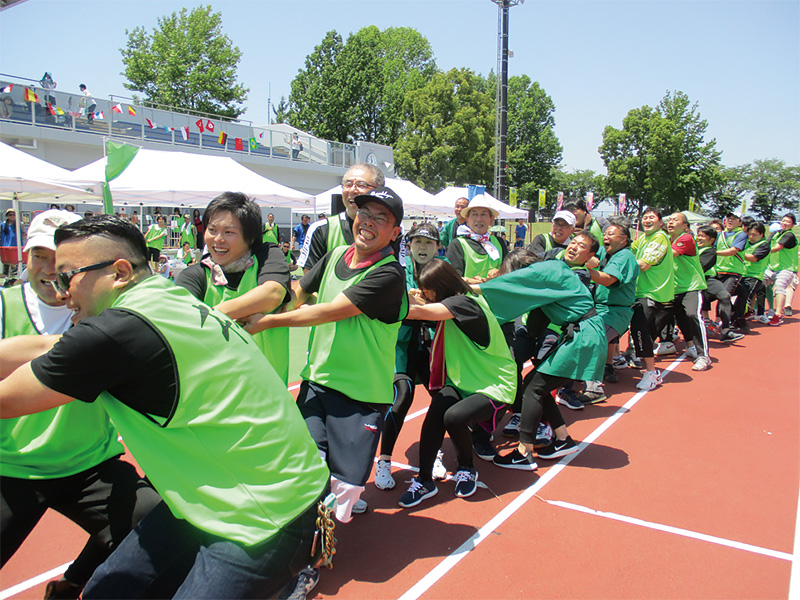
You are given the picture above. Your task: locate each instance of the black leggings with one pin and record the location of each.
(453, 414)
(643, 325)
(686, 309)
(538, 404)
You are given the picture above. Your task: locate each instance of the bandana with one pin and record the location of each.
(218, 272)
(483, 240)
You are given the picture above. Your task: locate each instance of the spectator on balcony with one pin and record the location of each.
(6, 108)
(297, 146)
(88, 102)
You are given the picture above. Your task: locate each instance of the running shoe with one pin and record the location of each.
(650, 381)
(749, 314)
(634, 362)
(383, 475)
(691, 352)
(569, 398)
(764, 319)
(558, 448)
(701, 363)
(609, 375)
(620, 362)
(515, 460)
(417, 493)
(307, 580)
(592, 397)
(484, 449)
(544, 435)
(776, 320)
(360, 507)
(711, 326)
(439, 470)
(787, 311)
(512, 427)
(665, 348)
(466, 482)
(733, 336)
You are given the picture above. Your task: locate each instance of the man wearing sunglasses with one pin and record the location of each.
(65, 458)
(231, 457)
(337, 230)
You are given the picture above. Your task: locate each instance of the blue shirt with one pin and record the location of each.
(8, 235)
(300, 233)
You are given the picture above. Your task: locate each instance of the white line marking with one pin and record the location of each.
(794, 578)
(676, 530)
(21, 587)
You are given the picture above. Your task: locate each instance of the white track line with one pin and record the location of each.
(21, 587)
(794, 579)
(676, 530)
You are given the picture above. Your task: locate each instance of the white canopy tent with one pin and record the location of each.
(449, 195)
(162, 178)
(415, 200)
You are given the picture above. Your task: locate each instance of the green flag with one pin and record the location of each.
(118, 157)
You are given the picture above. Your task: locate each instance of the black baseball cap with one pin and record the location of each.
(385, 196)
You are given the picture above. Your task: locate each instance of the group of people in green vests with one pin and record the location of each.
(241, 482)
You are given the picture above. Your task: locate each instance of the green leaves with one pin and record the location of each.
(186, 62)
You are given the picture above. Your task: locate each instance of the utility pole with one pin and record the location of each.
(501, 99)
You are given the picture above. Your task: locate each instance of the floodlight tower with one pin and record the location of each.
(501, 122)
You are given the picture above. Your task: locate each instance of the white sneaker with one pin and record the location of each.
(650, 381)
(691, 352)
(702, 363)
(665, 348)
(383, 475)
(439, 470)
(360, 507)
(762, 319)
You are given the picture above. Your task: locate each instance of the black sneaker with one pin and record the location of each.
(569, 398)
(515, 460)
(592, 397)
(634, 362)
(730, 336)
(417, 493)
(558, 448)
(512, 428)
(306, 581)
(484, 449)
(610, 375)
(466, 482)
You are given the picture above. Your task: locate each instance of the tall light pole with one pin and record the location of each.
(501, 121)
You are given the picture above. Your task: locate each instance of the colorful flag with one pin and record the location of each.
(560, 200)
(223, 137)
(117, 108)
(131, 111)
(30, 96)
(185, 132)
(253, 143)
(50, 109)
(744, 206)
(589, 200)
(512, 196)
(210, 126)
(238, 144)
(542, 198)
(622, 203)
(7, 89)
(150, 123)
(118, 157)
(59, 111)
(99, 115)
(199, 124)
(691, 203)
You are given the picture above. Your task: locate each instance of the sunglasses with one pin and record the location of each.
(63, 280)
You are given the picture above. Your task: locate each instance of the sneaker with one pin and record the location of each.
(515, 460)
(417, 493)
(733, 336)
(544, 435)
(711, 326)
(609, 375)
(569, 398)
(787, 311)
(466, 482)
(634, 362)
(439, 470)
(307, 580)
(592, 397)
(665, 348)
(620, 362)
(701, 363)
(764, 319)
(383, 475)
(360, 507)
(484, 449)
(512, 428)
(650, 381)
(749, 314)
(691, 352)
(776, 320)
(558, 448)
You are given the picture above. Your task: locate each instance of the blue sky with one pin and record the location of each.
(597, 59)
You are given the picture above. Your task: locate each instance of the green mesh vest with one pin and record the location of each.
(479, 265)
(269, 234)
(335, 234)
(729, 264)
(235, 458)
(58, 442)
(274, 343)
(689, 276)
(782, 260)
(472, 369)
(756, 269)
(354, 356)
(657, 282)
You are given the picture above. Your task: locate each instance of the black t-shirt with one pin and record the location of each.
(119, 352)
(760, 252)
(318, 242)
(708, 259)
(271, 263)
(455, 253)
(379, 295)
(537, 246)
(787, 239)
(469, 318)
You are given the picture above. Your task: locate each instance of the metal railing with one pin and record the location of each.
(26, 101)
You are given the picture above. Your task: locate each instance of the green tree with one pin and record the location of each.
(449, 135)
(775, 187)
(727, 196)
(281, 111)
(660, 156)
(186, 62)
(578, 184)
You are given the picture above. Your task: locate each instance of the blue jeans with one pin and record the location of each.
(166, 557)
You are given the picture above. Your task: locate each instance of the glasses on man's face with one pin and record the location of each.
(359, 185)
(63, 280)
(365, 215)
